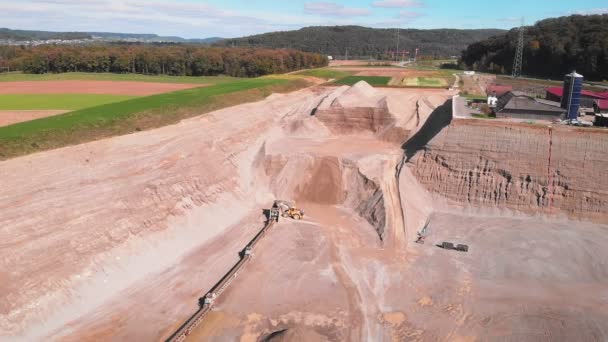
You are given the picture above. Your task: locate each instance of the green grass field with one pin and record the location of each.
(83, 76)
(325, 73)
(56, 101)
(482, 116)
(367, 65)
(425, 82)
(135, 114)
(372, 80)
(475, 97)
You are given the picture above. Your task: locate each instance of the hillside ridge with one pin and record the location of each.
(365, 41)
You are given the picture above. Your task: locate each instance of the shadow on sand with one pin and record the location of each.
(441, 117)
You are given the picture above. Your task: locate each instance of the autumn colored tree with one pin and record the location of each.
(554, 47)
(190, 60)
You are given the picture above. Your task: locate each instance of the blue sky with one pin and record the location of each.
(233, 18)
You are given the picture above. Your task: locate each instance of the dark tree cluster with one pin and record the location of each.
(364, 42)
(553, 48)
(185, 60)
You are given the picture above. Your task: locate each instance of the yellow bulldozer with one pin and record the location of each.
(288, 210)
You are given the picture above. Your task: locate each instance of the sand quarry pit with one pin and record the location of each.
(117, 239)
(92, 87)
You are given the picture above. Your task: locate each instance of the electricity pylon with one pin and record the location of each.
(519, 54)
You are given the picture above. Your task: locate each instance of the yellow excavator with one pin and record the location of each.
(288, 210)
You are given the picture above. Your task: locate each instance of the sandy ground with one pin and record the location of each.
(517, 282)
(9, 117)
(524, 279)
(172, 207)
(477, 84)
(167, 192)
(92, 87)
(161, 192)
(181, 285)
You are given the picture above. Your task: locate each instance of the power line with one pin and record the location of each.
(396, 56)
(519, 53)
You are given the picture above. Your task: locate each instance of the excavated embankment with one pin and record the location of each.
(352, 161)
(522, 167)
(328, 180)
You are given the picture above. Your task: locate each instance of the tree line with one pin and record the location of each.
(553, 48)
(178, 60)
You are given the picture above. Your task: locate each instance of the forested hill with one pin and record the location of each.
(364, 41)
(27, 35)
(40, 35)
(553, 47)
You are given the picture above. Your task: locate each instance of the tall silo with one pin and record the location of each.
(571, 100)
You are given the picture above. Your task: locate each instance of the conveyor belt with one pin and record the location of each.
(206, 302)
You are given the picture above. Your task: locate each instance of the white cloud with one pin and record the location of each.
(594, 11)
(333, 9)
(404, 17)
(398, 3)
(186, 19)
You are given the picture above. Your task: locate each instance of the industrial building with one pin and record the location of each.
(600, 106)
(518, 105)
(498, 90)
(601, 113)
(587, 97)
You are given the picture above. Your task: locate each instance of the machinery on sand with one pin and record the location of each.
(288, 209)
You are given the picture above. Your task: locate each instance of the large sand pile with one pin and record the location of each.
(355, 109)
(389, 114)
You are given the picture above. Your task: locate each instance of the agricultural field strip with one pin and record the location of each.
(137, 114)
(103, 114)
(326, 73)
(84, 76)
(372, 80)
(430, 78)
(424, 82)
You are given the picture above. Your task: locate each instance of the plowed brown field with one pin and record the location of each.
(9, 117)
